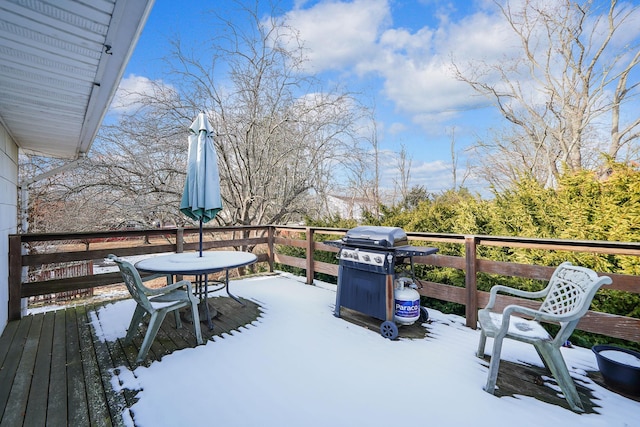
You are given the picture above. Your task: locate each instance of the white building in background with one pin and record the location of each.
(348, 207)
(60, 66)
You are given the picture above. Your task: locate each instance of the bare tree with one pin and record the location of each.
(404, 161)
(574, 74)
(454, 158)
(376, 167)
(133, 178)
(363, 172)
(281, 138)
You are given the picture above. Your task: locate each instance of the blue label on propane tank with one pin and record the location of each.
(407, 308)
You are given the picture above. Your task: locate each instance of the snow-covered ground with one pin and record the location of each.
(299, 365)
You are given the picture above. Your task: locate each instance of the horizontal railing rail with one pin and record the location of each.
(34, 250)
(611, 325)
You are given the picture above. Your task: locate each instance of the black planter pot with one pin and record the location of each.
(617, 375)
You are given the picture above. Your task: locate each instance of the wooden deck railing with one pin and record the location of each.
(265, 241)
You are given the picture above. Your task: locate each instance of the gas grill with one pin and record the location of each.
(371, 258)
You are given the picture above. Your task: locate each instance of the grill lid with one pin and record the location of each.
(378, 237)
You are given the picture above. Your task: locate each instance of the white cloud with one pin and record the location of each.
(396, 128)
(418, 72)
(340, 34)
(435, 176)
(356, 36)
(131, 90)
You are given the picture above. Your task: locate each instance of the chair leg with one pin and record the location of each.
(481, 344)
(542, 357)
(196, 322)
(553, 359)
(154, 325)
(176, 314)
(138, 314)
(494, 365)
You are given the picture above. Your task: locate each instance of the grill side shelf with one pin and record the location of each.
(404, 251)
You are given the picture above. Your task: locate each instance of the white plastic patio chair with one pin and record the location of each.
(567, 298)
(157, 303)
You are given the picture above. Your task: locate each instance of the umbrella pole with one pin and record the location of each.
(200, 236)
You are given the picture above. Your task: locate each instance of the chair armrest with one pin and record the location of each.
(513, 291)
(536, 314)
(511, 309)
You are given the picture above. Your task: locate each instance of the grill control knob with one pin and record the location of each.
(366, 257)
(378, 259)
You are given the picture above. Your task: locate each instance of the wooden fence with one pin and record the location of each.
(42, 249)
(61, 271)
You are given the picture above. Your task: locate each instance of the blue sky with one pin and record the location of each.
(397, 52)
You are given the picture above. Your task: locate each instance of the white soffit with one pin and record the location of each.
(60, 65)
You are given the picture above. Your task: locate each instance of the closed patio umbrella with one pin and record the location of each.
(201, 198)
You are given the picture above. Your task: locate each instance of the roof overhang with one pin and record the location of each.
(60, 65)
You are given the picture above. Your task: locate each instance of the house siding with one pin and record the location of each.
(8, 214)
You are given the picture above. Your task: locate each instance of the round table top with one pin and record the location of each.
(193, 263)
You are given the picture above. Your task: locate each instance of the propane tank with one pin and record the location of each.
(407, 301)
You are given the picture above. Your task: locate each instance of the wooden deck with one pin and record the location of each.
(514, 379)
(54, 371)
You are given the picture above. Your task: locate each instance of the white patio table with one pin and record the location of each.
(192, 264)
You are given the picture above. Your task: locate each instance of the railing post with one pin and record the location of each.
(471, 284)
(180, 240)
(270, 246)
(15, 276)
(310, 247)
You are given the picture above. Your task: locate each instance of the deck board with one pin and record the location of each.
(17, 402)
(517, 379)
(55, 371)
(514, 379)
(96, 395)
(115, 402)
(36, 411)
(414, 331)
(57, 392)
(5, 340)
(10, 366)
(76, 390)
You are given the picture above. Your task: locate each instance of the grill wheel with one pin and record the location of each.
(389, 330)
